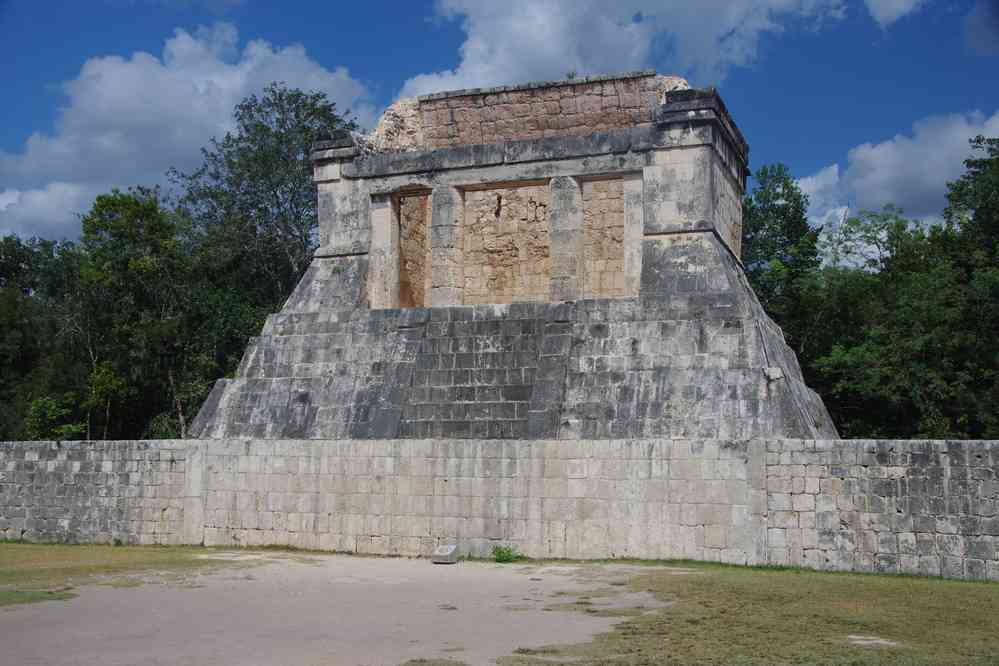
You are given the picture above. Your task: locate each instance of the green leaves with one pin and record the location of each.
(894, 320)
(123, 335)
(779, 248)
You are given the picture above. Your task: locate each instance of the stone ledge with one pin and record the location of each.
(640, 139)
(534, 85)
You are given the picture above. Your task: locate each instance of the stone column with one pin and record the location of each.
(565, 223)
(447, 280)
(383, 267)
(678, 191)
(344, 227)
(634, 229)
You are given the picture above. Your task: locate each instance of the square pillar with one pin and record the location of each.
(678, 191)
(447, 280)
(634, 229)
(383, 266)
(565, 223)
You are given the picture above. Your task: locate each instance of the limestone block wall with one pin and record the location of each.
(540, 110)
(414, 250)
(693, 355)
(921, 507)
(506, 248)
(918, 507)
(603, 239)
(647, 499)
(93, 492)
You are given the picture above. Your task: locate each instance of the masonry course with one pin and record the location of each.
(582, 284)
(526, 324)
(920, 507)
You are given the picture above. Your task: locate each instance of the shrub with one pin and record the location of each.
(504, 554)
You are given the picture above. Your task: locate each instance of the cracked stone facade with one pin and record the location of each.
(916, 507)
(568, 272)
(527, 324)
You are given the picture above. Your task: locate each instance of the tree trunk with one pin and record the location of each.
(177, 404)
(107, 417)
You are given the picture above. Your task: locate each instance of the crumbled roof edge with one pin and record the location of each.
(537, 84)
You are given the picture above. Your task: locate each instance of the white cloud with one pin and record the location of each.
(127, 120)
(909, 170)
(826, 209)
(523, 40)
(47, 212)
(886, 12)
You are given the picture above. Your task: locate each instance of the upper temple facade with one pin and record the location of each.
(555, 260)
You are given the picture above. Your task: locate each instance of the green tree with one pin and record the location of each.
(137, 262)
(253, 199)
(925, 359)
(779, 249)
(126, 331)
(38, 368)
(48, 418)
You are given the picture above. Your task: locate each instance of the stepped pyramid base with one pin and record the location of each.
(693, 356)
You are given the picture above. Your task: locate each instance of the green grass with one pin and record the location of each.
(736, 615)
(506, 554)
(11, 597)
(42, 572)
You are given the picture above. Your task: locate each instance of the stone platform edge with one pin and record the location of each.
(900, 506)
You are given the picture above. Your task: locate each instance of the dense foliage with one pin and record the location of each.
(122, 334)
(895, 322)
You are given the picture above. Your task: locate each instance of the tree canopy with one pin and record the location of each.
(122, 334)
(894, 320)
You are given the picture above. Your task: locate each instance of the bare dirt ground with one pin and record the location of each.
(293, 609)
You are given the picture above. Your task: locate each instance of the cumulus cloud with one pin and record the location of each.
(45, 211)
(886, 12)
(127, 120)
(908, 170)
(825, 205)
(522, 40)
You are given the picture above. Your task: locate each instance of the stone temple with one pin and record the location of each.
(527, 324)
(555, 260)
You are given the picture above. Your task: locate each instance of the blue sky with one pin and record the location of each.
(868, 101)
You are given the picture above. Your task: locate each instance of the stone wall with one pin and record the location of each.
(506, 249)
(603, 239)
(414, 250)
(927, 507)
(693, 356)
(531, 111)
(94, 492)
(650, 499)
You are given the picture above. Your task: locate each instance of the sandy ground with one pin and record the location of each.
(319, 610)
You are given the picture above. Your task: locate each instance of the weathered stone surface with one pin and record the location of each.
(539, 110)
(896, 506)
(96, 492)
(580, 285)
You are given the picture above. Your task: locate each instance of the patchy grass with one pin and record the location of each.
(733, 615)
(41, 572)
(11, 597)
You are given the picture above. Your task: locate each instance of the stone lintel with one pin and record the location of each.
(639, 139)
(534, 85)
